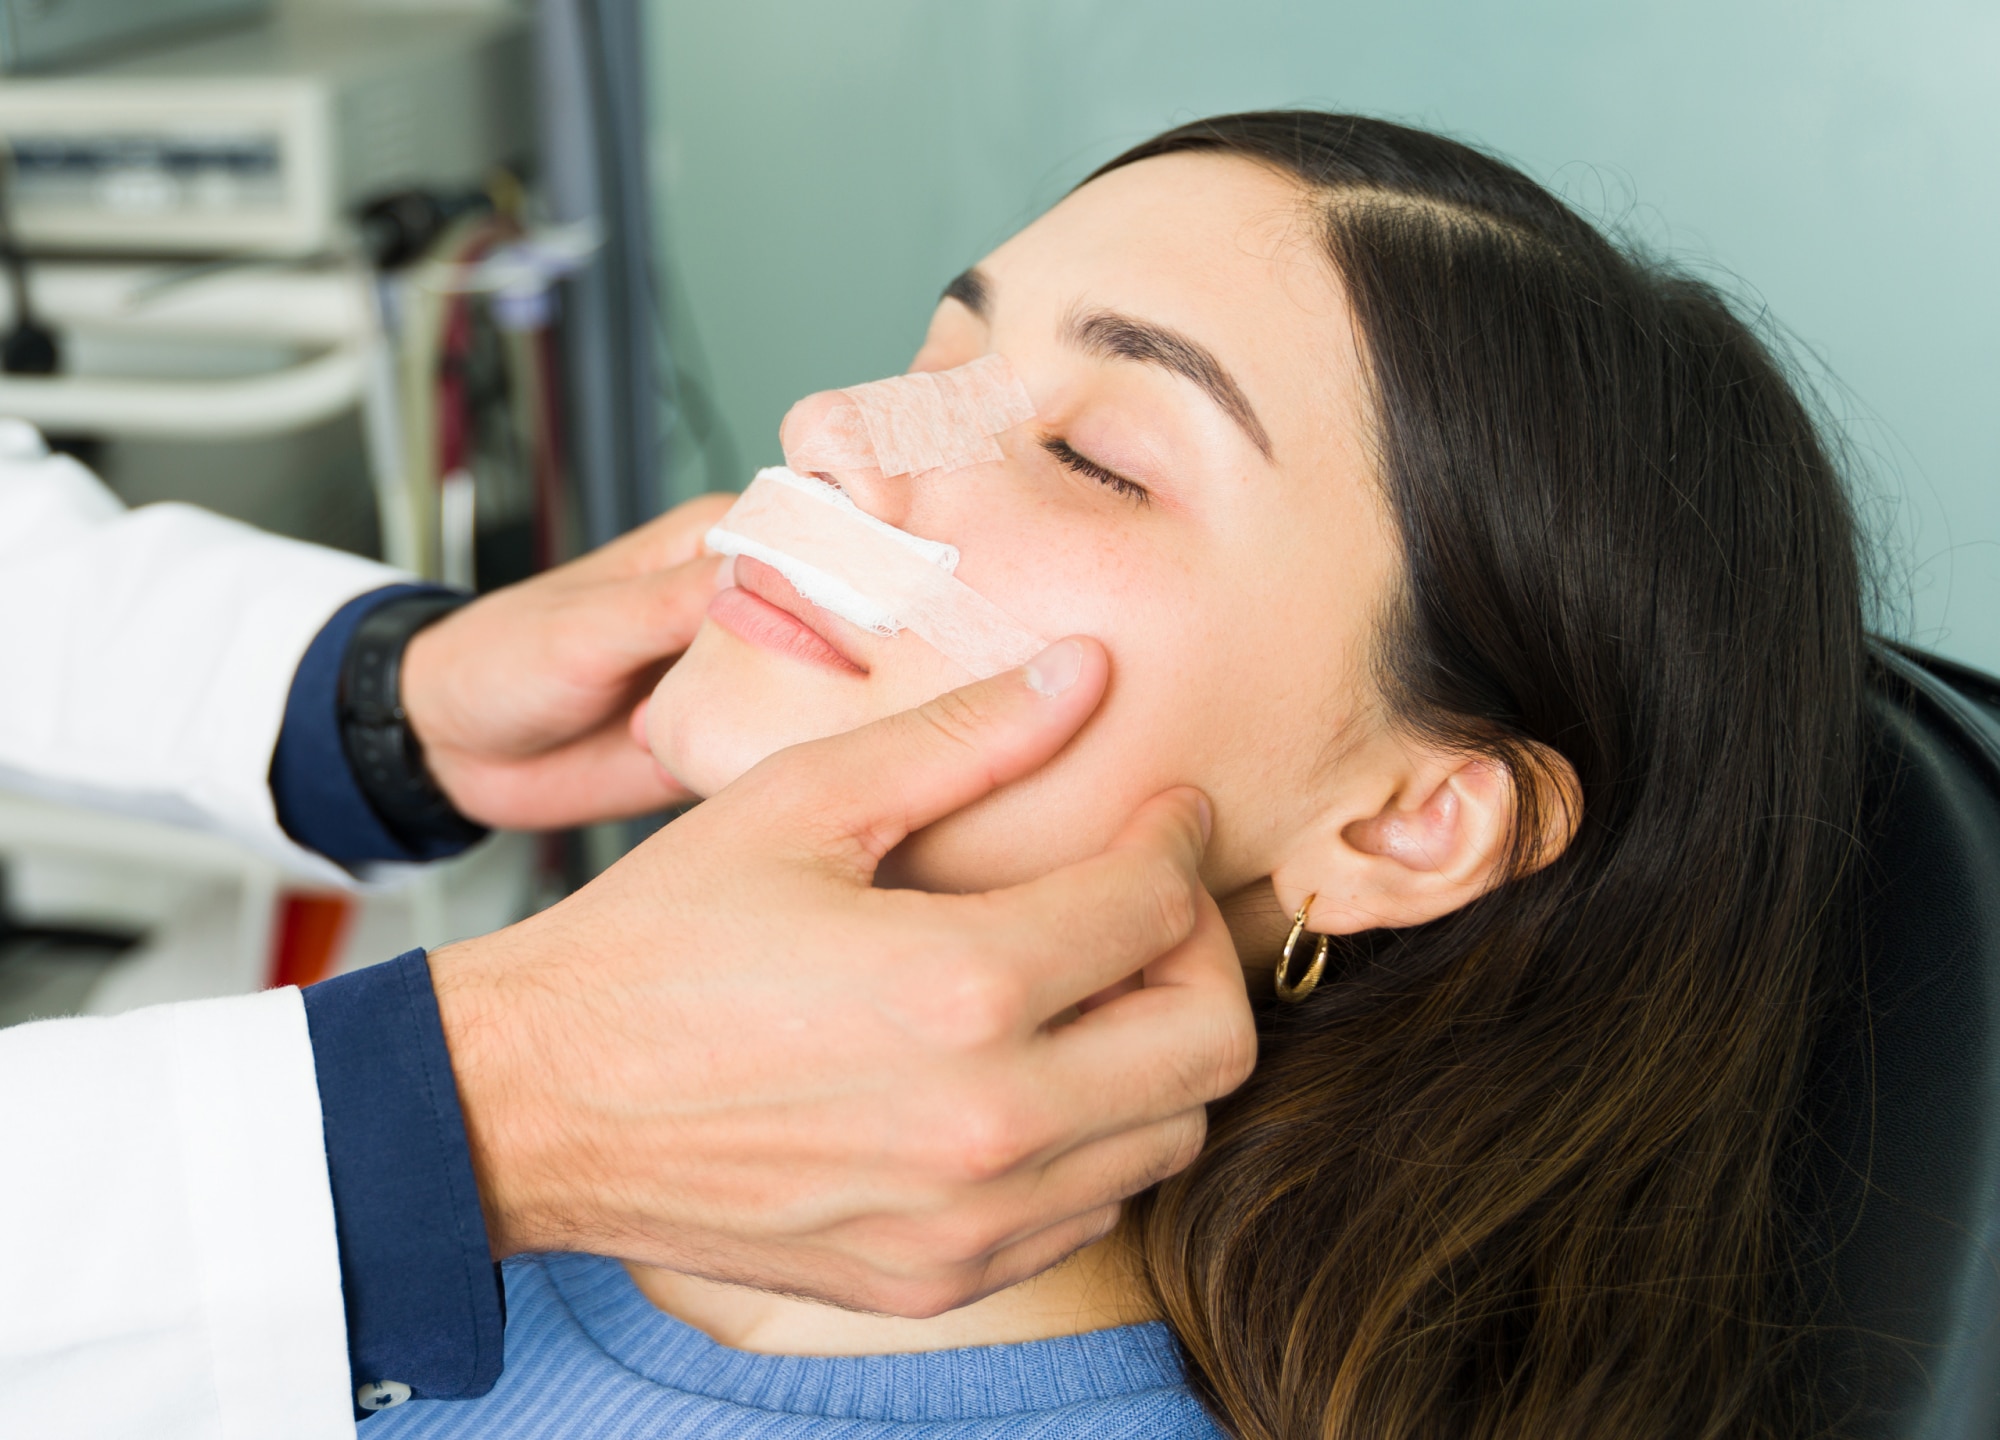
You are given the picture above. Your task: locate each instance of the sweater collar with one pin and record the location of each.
(979, 1382)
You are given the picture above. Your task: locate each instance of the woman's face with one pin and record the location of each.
(1194, 492)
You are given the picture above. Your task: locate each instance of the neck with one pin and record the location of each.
(1096, 1289)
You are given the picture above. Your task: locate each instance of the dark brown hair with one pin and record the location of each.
(1519, 1172)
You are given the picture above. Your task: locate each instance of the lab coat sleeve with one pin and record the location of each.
(146, 655)
(167, 1252)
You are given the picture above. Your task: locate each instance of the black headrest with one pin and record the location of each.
(1903, 1102)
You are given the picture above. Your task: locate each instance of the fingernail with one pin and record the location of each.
(1056, 668)
(1207, 813)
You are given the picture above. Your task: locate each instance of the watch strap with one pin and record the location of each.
(382, 750)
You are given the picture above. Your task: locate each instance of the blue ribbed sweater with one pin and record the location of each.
(590, 1358)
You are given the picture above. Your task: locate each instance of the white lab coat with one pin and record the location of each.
(167, 1258)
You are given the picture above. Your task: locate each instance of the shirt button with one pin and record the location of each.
(381, 1394)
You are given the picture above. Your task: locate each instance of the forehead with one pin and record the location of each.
(1225, 249)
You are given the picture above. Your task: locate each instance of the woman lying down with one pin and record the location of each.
(1496, 588)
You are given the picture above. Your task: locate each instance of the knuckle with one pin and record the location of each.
(963, 1240)
(1185, 1137)
(989, 1142)
(983, 1002)
(1237, 1055)
(955, 718)
(1165, 893)
(1102, 1222)
(965, 1003)
(1209, 1072)
(1220, 1058)
(1196, 1072)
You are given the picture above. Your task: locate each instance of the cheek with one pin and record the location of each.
(1199, 654)
(1062, 571)
(1200, 704)
(1157, 727)
(1236, 680)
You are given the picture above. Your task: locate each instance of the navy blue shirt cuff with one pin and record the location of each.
(319, 803)
(423, 1297)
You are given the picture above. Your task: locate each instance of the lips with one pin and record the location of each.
(764, 609)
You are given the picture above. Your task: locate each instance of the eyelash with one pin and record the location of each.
(1084, 465)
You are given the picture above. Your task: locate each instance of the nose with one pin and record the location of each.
(824, 431)
(875, 438)
(825, 434)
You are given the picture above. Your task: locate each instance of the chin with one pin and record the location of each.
(705, 747)
(699, 762)
(720, 711)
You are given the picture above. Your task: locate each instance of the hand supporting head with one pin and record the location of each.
(732, 1054)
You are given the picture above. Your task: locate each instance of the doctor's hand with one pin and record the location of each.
(731, 1056)
(522, 698)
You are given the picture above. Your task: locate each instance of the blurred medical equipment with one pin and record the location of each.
(35, 34)
(592, 130)
(264, 139)
(253, 154)
(289, 262)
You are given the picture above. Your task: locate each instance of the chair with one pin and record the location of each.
(1903, 1098)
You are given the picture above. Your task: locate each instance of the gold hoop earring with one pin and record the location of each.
(1307, 982)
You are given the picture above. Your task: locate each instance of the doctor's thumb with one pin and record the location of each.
(873, 786)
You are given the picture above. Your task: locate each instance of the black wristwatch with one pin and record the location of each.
(382, 750)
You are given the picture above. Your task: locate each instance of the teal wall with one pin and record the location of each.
(822, 168)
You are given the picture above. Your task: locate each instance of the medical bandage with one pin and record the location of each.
(924, 423)
(868, 572)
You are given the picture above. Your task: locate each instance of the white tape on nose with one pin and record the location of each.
(932, 421)
(870, 573)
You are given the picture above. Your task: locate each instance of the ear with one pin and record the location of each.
(1427, 837)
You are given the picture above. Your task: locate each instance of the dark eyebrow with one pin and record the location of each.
(971, 289)
(1105, 332)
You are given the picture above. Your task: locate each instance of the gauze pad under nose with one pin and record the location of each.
(928, 422)
(868, 572)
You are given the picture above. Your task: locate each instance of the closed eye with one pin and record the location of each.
(1084, 465)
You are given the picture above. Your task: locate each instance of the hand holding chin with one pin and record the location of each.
(522, 700)
(731, 1055)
